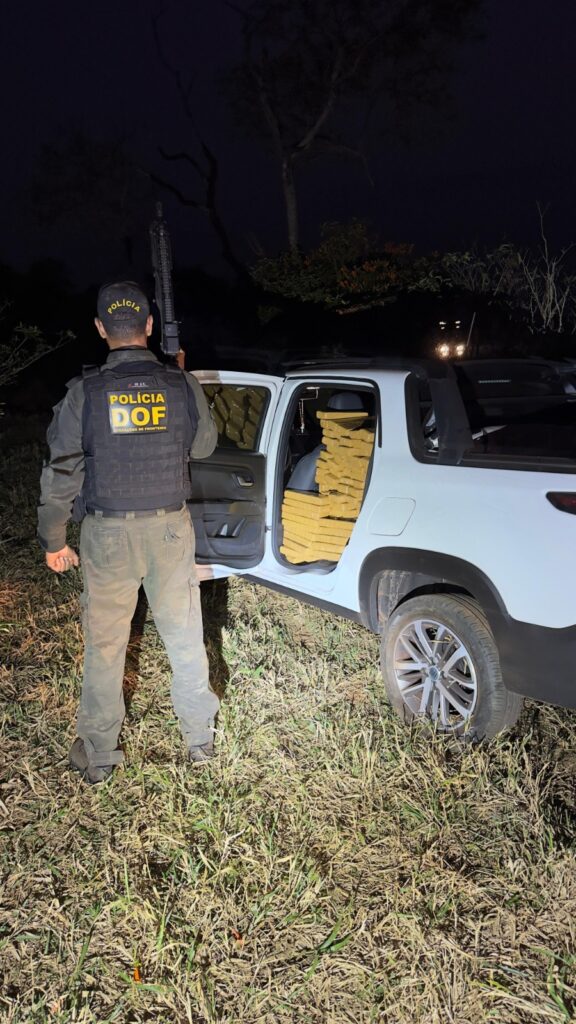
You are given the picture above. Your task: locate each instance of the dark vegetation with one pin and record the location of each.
(351, 295)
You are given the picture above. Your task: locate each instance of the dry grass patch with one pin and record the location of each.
(329, 866)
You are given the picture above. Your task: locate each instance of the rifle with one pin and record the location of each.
(162, 264)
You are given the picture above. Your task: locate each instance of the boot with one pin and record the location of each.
(202, 753)
(94, 766)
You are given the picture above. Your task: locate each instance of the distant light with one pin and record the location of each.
(457, 322)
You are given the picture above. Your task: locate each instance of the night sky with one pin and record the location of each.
(511, 141)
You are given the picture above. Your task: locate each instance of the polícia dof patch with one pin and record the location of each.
(137, 411)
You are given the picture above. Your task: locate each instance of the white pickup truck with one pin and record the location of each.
(433, 503)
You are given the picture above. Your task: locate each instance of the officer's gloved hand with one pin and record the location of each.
(60, 561)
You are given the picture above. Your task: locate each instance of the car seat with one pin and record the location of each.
(303, 476)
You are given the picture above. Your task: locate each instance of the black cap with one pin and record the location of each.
(122, 307)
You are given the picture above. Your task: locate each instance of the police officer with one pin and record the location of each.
(119, 442)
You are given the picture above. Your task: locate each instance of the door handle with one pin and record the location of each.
(244, 481)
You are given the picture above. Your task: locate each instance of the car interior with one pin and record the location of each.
(523, 410)
(327, 454)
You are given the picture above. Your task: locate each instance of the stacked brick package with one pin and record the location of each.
(318, 526)
(237, 413)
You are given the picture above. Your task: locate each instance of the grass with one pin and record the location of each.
(329, 866)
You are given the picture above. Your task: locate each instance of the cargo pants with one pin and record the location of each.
(117, 556)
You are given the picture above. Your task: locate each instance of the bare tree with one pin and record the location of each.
(201, 162)
(535, 283)
(317, 76)
(549, 291)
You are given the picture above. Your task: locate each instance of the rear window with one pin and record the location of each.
(520, 408)
(516, 410)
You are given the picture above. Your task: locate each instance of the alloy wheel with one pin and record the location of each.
(435, 674)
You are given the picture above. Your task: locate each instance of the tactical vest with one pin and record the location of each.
(139, 422)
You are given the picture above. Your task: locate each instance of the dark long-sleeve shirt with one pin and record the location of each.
(63, 473)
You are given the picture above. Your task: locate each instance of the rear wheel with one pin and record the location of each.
(440, 664)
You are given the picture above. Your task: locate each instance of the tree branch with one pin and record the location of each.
(195, 204)
(208, 175)
(327, 109)
(183, 155)
(336, 146)
(183, 91)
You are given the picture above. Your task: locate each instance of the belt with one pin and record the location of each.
(109, 513)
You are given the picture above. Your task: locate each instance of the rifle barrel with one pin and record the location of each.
(162, 264)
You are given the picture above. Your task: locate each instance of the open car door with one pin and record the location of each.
(228, 503)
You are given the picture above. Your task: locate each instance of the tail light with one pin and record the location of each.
(565, 501)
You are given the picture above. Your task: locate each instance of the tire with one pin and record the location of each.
(425, 679)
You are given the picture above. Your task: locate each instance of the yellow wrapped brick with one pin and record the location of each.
(306, 497)
(221, 406)
(300, 553)
(311, 552)
(318, 526)
(337, 469)
(344, 457)
(335, 430)
(346, 485)
(233, 433)
(356, 449)
(319, 506)
(342, 483)
(248, 434)
(324, 528)
(337, 527)
(313, 527)
(235, 403)
(338, 506)
(346, 419)
(325, 504)
(237, 420)
(337, 453)
(256, 399)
